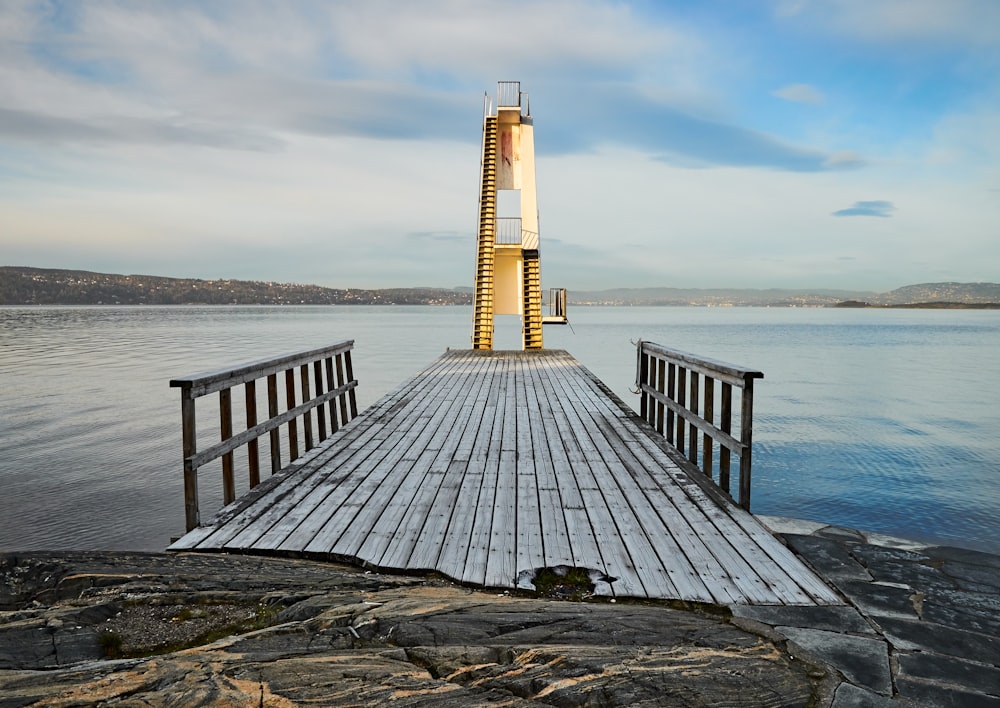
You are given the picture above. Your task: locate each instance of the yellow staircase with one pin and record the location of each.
(532, 282)
(482, 327)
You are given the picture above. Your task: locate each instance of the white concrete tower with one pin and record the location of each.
(508, 269)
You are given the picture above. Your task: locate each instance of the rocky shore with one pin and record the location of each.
(919, 627)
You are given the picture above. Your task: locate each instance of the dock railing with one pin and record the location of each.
(320, 379)
(679, 398)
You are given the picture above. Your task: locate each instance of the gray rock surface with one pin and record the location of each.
(919, 627)
(306, 632)
(864, 661)
(935, 612)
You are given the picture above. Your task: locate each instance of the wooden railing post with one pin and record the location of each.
(643, 378)
(340, 382)
(307, 417)
(272, 412)
(253, 447)
(671, 395)
(660, 387)
(226, 426)
(726, 423)
(638, 373)
(682, 401)
(708, 416)
(331, 383)
(293, 426)
(746, 437)
(320, 390)
(350, 377)
(692, 426)
(190, 448)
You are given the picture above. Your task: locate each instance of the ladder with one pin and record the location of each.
(482, 327)
(532, 283)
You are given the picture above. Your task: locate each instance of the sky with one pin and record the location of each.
(847, 144)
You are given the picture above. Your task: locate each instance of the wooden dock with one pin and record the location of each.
(490, 465)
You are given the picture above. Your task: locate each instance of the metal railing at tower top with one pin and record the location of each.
(509, 95)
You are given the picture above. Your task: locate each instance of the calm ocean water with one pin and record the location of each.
(881, 420)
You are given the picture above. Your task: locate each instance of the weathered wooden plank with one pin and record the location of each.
(289, 497)
(272, 425)
(759, 574)
(556, 548)
(530, 550)
(456, 548)
(226, 430)
(692, 568)
(780, 570)
(253, 446)
(725, 574)
(664, 567)
(611, 515)
(482, 522)
(615, 556)
(368, 492)
(697, 424)
(422, 551)
(452, 516)
(746, 562)
(583, 549)
(440, 483)
(410, 475)
(501, 560)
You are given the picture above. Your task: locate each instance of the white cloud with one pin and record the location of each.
(873, 207)
(789, 8)
(969, 21)
(475, 40)
(970, 137)
(844, 159)
(800, 93)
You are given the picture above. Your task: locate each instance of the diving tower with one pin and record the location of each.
(508, 267)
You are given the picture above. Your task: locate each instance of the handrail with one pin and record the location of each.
(557, 303)
(327, 371)
(674, 385)
(508, 231)
(509, 94)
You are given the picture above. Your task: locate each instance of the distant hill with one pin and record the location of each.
(966, 293)
(48, 286)
(720, 297)
(924, 295)
(45, 286)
